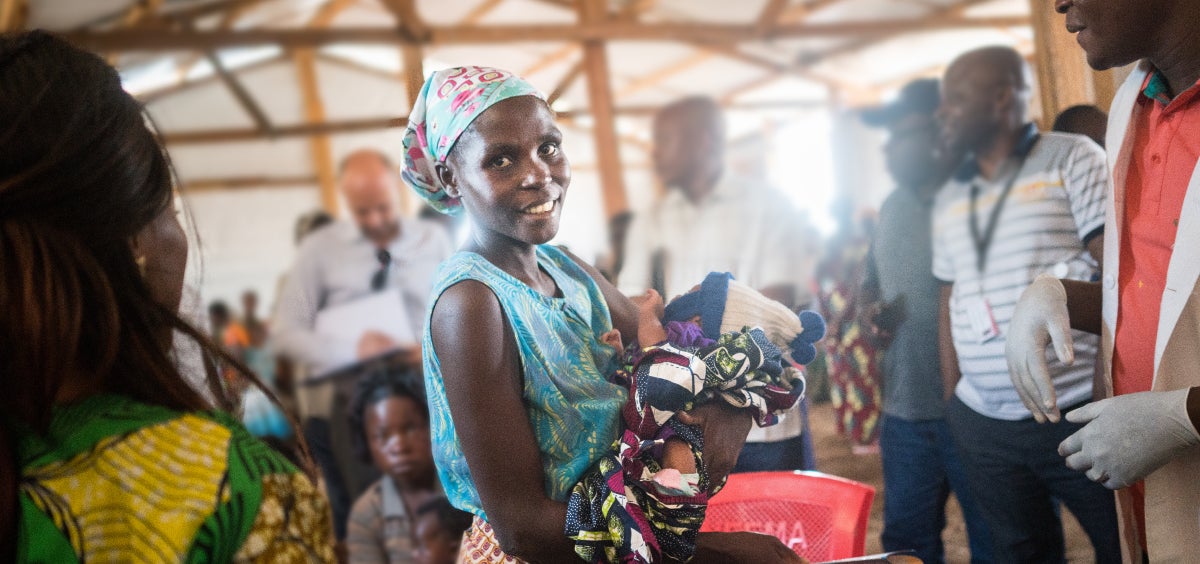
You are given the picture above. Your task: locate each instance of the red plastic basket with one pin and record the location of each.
(819, 516)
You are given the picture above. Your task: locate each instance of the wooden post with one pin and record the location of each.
(314, 112)
(595, 62)
(414, 71)
(1064, 77)
(12, 15)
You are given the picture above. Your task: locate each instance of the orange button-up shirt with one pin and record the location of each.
(1166, 147)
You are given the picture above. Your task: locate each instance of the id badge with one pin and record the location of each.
(983, 322)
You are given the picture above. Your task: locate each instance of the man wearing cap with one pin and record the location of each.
(1021, 204)
(920, 465)
(1142, 440)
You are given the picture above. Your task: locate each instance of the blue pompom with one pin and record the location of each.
(803, 347)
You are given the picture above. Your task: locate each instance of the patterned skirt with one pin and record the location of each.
(479, 546)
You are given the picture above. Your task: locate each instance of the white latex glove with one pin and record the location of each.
(1128, 437)
(1039, 318)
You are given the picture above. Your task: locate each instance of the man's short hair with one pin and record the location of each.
(383, 159)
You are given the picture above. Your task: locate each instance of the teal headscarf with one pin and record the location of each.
(450, 100)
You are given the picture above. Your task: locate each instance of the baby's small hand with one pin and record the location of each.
(650, 312)
(678, 455)
(649, 304)
(613, 339)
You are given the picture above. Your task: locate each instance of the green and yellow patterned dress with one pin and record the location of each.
(115, 480)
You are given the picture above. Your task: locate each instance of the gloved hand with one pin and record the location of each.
(1039, 318)
(1128, 437)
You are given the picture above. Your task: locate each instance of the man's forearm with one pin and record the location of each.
(946, 354)
(1084, 304)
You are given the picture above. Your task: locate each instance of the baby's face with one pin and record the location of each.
(436, 547)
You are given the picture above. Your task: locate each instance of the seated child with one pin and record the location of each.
(389, 421)
(647, 499)
(440, 529)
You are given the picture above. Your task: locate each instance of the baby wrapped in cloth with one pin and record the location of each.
(722, 342)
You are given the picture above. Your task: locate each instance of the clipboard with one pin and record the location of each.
(383, 311)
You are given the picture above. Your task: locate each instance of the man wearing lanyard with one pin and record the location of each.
(1142, 441)
(1021, 204)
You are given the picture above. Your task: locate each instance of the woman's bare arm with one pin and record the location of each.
(481, 371)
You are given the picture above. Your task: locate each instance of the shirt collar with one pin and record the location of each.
(393, 506)
(1155, 88)
(970, 167)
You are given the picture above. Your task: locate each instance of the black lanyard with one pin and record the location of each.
(984, 241)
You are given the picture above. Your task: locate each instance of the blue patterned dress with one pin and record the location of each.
(573, 408)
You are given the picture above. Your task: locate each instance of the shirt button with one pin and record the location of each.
(1109, 281)
(1156, 158)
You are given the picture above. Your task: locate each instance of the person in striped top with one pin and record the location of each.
(1021, 204)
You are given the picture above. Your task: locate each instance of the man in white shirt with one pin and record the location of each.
(347, 261)
(711, 221)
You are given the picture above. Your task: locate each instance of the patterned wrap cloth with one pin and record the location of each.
(115, 480)
(619, 512)
(447, 105)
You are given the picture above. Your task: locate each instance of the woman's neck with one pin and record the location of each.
(415, 484)
(516, 258)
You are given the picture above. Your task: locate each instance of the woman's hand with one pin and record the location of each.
(738, 548)
(725, 428)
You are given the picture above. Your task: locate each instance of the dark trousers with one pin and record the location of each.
(320, 444)
(920, 469)
(788, 454)
(345, 478)
(1015, 474)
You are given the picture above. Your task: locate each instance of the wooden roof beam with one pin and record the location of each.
(13, 14)
(242, 182)
(155, 39)
(356, 66)
(565, 84)
(950, 13)
(480, 11)
(770, 13)
(409, 20)
(239, 92)
(314, 113)
(600, 101)
(414, 71)
(151, 96)
(349, 126)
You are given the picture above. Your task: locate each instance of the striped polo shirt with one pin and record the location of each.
(1055, 205)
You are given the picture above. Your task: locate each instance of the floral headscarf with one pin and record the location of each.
(450, 100)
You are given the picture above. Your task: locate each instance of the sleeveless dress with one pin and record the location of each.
(572, 406)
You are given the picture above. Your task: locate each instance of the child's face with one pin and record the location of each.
(436, 546)
(398, 436)
(510, 171)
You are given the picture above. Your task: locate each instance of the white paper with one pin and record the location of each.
(380, 311)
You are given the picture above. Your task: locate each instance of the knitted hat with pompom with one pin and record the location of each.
(724, 305)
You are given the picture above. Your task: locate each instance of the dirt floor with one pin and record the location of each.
(835, 457)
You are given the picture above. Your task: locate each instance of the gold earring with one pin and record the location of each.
(141, 264)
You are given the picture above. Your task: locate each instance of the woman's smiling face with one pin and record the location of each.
(510, 172)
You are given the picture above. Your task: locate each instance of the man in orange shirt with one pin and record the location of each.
(1143, 440)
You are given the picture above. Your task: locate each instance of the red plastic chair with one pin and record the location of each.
(819, 516)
